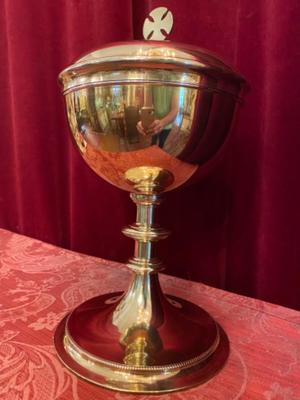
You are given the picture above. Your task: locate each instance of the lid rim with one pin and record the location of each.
(167, 83)
(196, 60)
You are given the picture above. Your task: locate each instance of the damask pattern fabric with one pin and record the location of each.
(41, 283)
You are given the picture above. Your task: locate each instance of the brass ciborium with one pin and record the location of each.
(146, 116)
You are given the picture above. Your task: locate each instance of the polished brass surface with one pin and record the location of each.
(142, 340)
(145, 117)
(145, 232)
(146, 179)
(192, 93)
(144, 56)
(139, 380)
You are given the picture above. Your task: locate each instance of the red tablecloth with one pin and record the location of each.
(40, 283)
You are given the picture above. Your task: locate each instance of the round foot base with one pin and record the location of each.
(182, 349)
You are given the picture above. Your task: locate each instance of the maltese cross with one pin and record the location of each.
(158, 24)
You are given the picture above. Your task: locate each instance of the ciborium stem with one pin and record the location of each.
(142, 340)
(140, 311)
(145, 233)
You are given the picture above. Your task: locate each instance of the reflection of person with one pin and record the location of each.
(85, 128)
(165, 101)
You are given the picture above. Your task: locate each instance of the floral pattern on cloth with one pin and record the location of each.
(278, 392)
(32, 372)
(41, 283)
(50, 321)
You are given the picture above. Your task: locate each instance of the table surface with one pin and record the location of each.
(40, 283)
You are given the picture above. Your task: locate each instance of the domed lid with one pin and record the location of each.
(144, 55)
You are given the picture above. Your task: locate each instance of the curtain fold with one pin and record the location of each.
(239, 228)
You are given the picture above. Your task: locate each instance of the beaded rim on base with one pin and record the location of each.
(141, 379)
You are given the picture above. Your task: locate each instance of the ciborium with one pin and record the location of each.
(147, 117)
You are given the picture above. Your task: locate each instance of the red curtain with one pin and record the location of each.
(239, 228)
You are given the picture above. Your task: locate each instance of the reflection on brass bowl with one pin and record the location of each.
(146, 116)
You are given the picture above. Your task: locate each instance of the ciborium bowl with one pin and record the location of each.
(146, 117)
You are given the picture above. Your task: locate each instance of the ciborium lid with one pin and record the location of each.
(148, 55)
